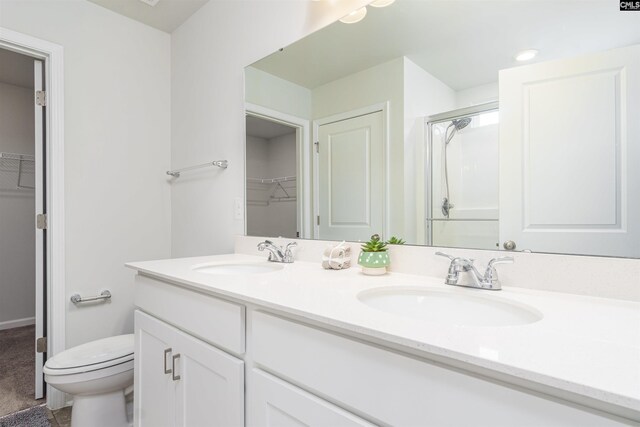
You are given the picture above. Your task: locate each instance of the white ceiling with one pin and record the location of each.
(461, 42)
(266, 129)
(16, 69)
(167, 15)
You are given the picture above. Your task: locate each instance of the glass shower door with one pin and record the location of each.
(463, 177)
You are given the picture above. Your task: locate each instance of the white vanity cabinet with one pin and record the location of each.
(392, 388)
(276, 403)
(204, 360)
(181, 380)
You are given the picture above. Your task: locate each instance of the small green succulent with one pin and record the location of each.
(395, 241)
(374, 245)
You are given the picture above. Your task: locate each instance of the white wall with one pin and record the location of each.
(117, 130)
(17, 208)
(477, 95)
(209, 53)
(267, 90)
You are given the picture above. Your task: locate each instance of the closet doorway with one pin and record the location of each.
(277, 183)
(22, 231)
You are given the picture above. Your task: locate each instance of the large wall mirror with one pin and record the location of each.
(511, 125)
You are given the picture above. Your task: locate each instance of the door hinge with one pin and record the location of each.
(41, 98)
(41, 345)
(318, 219)
(317, 144)
(41, 221)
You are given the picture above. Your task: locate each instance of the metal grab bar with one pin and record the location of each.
(104, 295)
(219, 163)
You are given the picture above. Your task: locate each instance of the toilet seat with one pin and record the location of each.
(92, 356)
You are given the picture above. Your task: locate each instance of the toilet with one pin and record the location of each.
(96, 374)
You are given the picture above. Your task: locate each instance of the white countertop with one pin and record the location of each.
(583, 345)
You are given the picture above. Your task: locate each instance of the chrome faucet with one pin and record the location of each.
(488, 280)
(276, 253)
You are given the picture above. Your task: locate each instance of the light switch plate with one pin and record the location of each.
(238, 208)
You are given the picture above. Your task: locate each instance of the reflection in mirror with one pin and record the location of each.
(462, 199)
(486, 124)
(271, 189)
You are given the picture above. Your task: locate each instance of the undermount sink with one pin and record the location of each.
(237, 268)
(449, 307)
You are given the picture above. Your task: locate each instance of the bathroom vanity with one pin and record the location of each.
(236, 340)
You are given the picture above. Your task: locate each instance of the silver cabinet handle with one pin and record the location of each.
(166, 352)
(173, 365)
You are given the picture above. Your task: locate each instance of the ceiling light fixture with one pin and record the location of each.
(355, 16)
(381, 3)
(526, 55)
(150, 2)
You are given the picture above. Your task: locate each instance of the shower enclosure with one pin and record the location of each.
(462, 177)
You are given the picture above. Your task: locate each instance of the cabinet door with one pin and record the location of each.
(275, 403)
(210, 391)
(154, 387)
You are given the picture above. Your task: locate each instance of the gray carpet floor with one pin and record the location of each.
(37, 416)
(17, 361)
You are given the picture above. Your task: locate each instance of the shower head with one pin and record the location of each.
(457, 125)
(461, 123)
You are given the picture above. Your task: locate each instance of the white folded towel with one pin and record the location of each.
(337, 257)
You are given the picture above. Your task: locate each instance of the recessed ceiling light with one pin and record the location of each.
(150, 2)
(355, 16)
(526, 55)
(381, 3)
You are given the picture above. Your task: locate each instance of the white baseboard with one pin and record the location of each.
(9, 324)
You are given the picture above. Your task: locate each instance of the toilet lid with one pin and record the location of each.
(118, 348)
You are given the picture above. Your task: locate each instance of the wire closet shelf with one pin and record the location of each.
(277, 191)
(18, 170)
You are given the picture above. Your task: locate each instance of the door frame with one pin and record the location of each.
(55, 306)
(382, 107)
(303, 179)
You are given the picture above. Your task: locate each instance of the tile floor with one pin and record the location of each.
(60, 417)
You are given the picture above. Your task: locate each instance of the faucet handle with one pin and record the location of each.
(451, 258)
(288, 255)
(500, 260)
(287, 249)
(458, 259)
(491, 275)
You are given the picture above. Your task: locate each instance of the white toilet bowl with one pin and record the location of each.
(96, 374)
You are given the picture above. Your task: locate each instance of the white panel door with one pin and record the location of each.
(276, 403)
(210, 388)
(569, 150)
(38, 74)
(350, 178)
(155, 388)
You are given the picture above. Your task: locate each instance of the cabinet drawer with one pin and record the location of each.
(216, 321)
(397, 389)
(276, 403)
